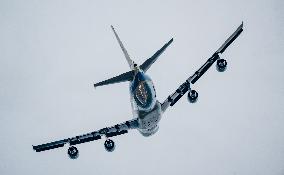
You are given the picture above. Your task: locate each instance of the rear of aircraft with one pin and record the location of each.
(142, 91)
(134, 68)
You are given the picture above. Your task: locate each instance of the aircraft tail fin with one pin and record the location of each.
(128, 59)
(127, 76)
(148, 63)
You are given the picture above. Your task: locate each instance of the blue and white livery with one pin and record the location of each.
(147, 110)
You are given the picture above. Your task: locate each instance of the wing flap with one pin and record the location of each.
(116, 130)
(84, 138)
(51, 145)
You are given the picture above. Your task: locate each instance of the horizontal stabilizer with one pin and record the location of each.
(147, 64)
(127, 76)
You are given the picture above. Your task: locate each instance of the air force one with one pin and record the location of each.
(147, 110)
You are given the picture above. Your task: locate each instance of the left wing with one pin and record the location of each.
(183, 88)
(95, 135)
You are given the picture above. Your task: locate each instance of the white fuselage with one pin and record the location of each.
(144, 104)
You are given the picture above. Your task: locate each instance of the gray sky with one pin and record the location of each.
(51, 53)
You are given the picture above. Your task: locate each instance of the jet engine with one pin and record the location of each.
(109, 145)
(192, 96)
(221, 65)
(73, 152)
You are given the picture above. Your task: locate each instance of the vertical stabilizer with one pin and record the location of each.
(129, 61)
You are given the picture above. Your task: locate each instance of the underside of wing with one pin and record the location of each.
(186, 86)
(108, 132)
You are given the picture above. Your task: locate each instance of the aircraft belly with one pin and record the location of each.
(148, 121)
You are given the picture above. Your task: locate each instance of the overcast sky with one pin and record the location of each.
(51, 53)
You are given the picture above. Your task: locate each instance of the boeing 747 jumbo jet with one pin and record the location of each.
(147, 110)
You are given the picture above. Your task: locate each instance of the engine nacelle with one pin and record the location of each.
(221, 65)
(109, 145)
(192, 96)
(73, 152)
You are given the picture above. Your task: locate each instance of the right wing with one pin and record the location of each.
(183, 88)
(95, 135)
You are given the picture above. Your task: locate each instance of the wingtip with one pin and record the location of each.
(171, 40)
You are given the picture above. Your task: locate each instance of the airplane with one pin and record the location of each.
(147, 110)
